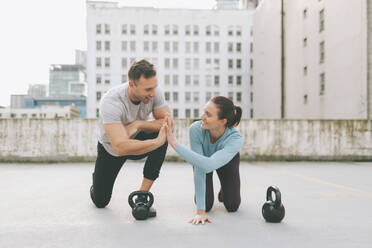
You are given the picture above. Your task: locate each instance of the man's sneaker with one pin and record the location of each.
(142, 198)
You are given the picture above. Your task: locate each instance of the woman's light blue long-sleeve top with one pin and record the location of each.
(206, 157)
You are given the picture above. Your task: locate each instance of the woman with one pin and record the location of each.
(215, 145)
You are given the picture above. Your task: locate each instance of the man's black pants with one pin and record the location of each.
(107, 168)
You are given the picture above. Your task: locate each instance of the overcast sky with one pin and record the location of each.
(37, 33)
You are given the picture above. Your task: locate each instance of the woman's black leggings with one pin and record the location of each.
(108, 166)
(230, 186)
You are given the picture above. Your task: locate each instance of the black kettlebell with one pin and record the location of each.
(140, 209)
(273, 211)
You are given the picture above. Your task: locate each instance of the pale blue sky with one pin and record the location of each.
(37, 33)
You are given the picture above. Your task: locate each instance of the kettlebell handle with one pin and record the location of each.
(140, 192)
(278, 197)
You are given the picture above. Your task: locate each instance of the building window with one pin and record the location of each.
(175, 113)
(239, 63)
(208, 96)
(196, 97)
(208, 30)
(146, 46)
(167, 63)
(208, 47)
(98, 62)
(188, 46)
(166, 30)
(238, 96)
(216, 93)
(251, 113)
(216, 64)
(251, 47)
(107, 45)
(154, 46)
(230, 95)
(107, 81)
(196, 80)
(175, 63)
(187, 113)
(251, 63)
(216, 47)
(305, 13)
(166, 79)
(175, 80)
(251, 80)
(187, 80)
(238, 47)
(216, 80)
(187, 96)
(196, 113)
(196, 63)
(187, 64)
(107, 29)
(196, 47)
(97, 112)
(175, 46)
(238, 80)
(124, 63)
(124, 45)
(167, 95)
(132, 46)
(239, 31)
(305, 70)
(251, 97)
(230, 80)
(175, 30)
(196, 30)
(322, 84)
(175, 96)
(98, 45)
(132, 29)
(124, 29)
(98, 29)
(124, 78)
(98, 79)
(230, 47)
(321, 46)
(230, 63)
(146, 29)
(166, 46)
(321, 20)
(208, 80)
(305, 42)
(98, 95)
(107, 62)
(230, 31)
(216, 31)
(13, 115)
(305, 99)
(154, 29)
(187, 30)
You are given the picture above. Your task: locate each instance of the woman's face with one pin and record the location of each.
(210, 117)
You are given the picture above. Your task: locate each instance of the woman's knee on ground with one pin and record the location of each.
(232, 206)
(100, 200)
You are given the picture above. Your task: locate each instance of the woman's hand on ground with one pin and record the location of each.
(200, 218)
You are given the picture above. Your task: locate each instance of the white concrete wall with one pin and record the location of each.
(76, 139)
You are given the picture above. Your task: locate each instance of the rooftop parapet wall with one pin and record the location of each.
(62, 140)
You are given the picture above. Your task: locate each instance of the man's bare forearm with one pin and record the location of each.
(153, 125)
(136, 147)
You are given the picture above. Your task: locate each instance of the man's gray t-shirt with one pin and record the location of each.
(116, 107)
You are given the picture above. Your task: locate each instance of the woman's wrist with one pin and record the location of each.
(200, 212)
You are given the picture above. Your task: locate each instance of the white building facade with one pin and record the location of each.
(320, 72)
(197, 53)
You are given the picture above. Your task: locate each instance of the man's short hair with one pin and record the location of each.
(141, 68)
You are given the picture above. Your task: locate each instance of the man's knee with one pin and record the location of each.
(99, 200)
(232, 206)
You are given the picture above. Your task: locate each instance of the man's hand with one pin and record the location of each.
(200, 218)
(162, 136)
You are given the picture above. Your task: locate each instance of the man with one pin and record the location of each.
(125, 134)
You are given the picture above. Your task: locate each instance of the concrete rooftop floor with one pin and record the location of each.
(48, 205)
